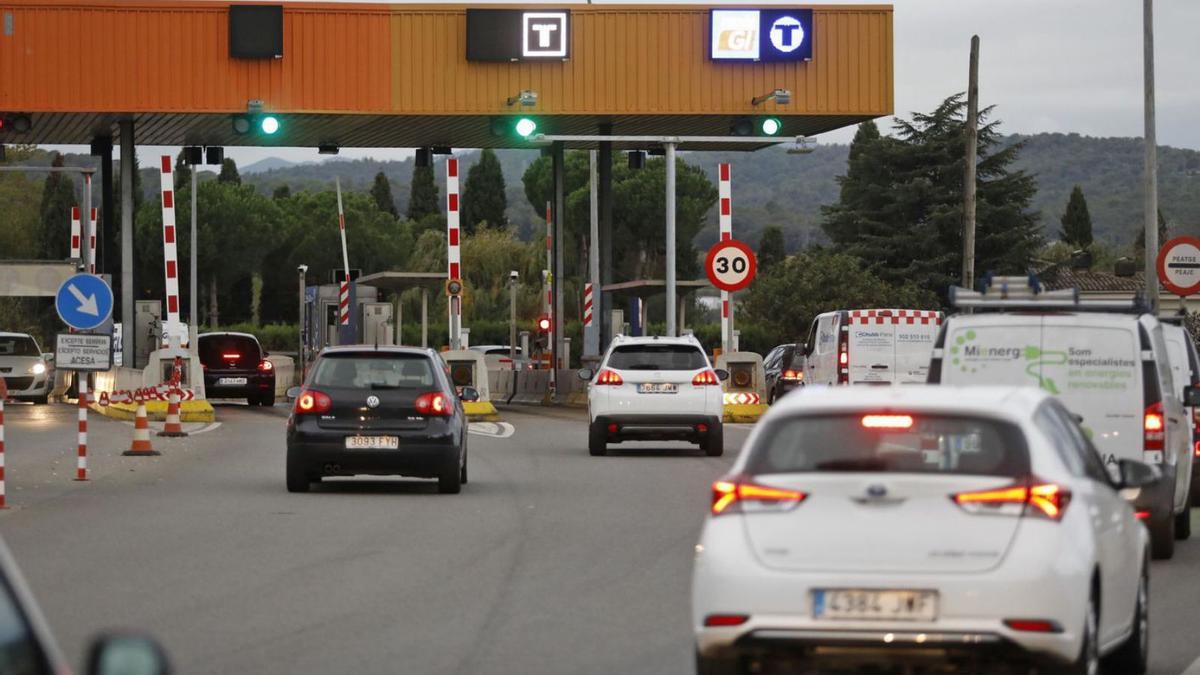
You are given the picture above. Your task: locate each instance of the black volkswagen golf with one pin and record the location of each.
(378, 411)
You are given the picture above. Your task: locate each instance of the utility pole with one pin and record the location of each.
(670, 198)
(972, 141)
(591, 329)
(193, 301)
(300, 272)
(1150, 210)
(513, 279)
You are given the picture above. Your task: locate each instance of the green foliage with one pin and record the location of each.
(771, 249)
(182, 172)
(785, 300)
(483, 198)
(58, 198)
(901, 204)
(1076, 221)
(381, 192)
(423, 195)
(281, 192)
(274, 337)
(229, 172)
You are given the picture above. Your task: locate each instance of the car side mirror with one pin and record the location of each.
(127, 655)
(293, 392)
(1135, 474)
(722, 374)
(1191, 396)
(469, 394)
(585, 374)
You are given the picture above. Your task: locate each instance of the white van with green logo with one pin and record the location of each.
(1110, 369)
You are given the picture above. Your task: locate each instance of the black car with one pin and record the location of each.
(378, 411)
(784, 370)
(235, 366)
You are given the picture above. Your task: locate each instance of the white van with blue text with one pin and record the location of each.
(870, 346)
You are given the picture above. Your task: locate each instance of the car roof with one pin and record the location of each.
(383, 349)
(689, 340)
(7, 334)
(1012, 403)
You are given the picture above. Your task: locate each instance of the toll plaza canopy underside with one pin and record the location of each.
(398, 75)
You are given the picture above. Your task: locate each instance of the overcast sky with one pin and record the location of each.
(1047, 66)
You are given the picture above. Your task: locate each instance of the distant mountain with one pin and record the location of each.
(267, 164)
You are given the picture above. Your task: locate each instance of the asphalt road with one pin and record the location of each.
(550, 561)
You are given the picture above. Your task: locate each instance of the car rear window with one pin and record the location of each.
(221, 348)
(21, 345)
(373, 371)
(657, 357)
(892, 443)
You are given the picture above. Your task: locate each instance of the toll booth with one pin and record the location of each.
(321, 305)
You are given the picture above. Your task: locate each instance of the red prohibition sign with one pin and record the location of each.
(1179, 265)
(730, 265)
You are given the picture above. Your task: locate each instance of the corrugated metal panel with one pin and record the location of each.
(626, 60)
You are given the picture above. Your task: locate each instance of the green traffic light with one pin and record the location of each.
(771, 126)
(269, 124)
(525, 127)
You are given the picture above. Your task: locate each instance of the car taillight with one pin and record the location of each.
(733, 494)
(434, 403)
(843, 373)
(610, 377)
(887, 421)
(1037, 499)
(1033, 625)
(231, 357)
(312, 401)
(1153, 424)
(718, 620)
(790, 374)
(706, 378)
(266, 366)
(1198, 448)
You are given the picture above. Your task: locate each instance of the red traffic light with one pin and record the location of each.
(543, 324)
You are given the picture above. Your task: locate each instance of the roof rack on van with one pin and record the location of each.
(1027, 292)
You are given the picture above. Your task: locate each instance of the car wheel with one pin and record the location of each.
(1162, 537)
(267, 399)
(597, 441)
(716, 665)
(297, 473)
(714, 443)
(450, 481)
(462, 478)
(1183, 524)
(1132, 657)
(1195, 493)
(252, 400)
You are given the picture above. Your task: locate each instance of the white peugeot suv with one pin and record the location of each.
(970, 526)
(655, 388)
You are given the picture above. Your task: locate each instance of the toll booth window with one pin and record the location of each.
(893, 444)
(20, 345)
(373, 372)
(657, 357)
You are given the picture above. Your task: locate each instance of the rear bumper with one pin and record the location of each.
(658, 427)
(323, 451)
(256, 384)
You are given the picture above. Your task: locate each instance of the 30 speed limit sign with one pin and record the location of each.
(730, 265)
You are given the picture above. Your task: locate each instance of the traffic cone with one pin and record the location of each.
(173, 428)
(141, 434)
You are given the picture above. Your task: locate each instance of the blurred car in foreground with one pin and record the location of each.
(28, 372)
(784, 370)
(377, 411)
(960, 526)
(27, 646)
(236, 366)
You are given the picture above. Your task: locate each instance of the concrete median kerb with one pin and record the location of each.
(189, 411)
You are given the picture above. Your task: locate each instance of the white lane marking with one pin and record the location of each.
(492, 429)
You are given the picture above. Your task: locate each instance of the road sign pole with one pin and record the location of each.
(671, 294)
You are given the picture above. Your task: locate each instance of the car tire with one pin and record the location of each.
(1195, 493)
(463, 474)
(1162, 537)
(1132, 657)
(450, 481)
(717, 665)
(597, 440)
(714, 443)
(267, 399)
(1183, 524)
(297, 473)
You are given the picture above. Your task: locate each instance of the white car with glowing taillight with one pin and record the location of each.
(652, 389)
(957, 525)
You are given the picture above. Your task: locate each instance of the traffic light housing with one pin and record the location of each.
(764, 126)
(770, 126)
(258, 124)
(511, 126)
(544, 324)
(18, 123)
(454, 287)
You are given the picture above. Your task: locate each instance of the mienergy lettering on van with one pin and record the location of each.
(978, 352)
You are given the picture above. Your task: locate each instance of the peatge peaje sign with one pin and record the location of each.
(507, 35)
(775, 34)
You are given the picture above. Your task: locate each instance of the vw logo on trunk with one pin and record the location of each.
(372, 401)
(877, 491)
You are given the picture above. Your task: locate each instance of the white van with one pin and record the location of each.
(870, 346)
(1110, 369)
(1185, 368)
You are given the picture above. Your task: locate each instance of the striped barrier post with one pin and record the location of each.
(76, 233)
(81, 467)
(725, 221)
(170, 253)
(453, 250)
(587, 304)
(92, 241)
(344, 290)
(3, 393)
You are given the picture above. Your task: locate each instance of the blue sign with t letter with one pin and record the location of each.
(84, 301)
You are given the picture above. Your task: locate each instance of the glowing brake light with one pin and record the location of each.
(232, 357)
(1152, 428)
(434, 403)
(610, 377)
(266, 366)
(887, 421)
(1040, 500)
(312, 401)
(729, 496)
(791, 374)
(705, 377)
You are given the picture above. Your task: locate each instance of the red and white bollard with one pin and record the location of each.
(76, 233)
(3, 393)
(81, 467)
(725, 224)
(173, 428)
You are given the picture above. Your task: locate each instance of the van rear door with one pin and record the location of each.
(915, 332)
(872, 343)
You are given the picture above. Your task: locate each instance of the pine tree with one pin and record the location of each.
(423, 194)
(484, 200)
(183, 173)
(771, 249)
(282, 192)
(229, 172)
(58, 198)
(1076, 221)
(381, 192)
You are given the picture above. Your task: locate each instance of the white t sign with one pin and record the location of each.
(545, 34)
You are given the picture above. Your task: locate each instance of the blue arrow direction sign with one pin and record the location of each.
(84, 301)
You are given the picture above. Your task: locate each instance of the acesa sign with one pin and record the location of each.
(507, 35)
(761, 34)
